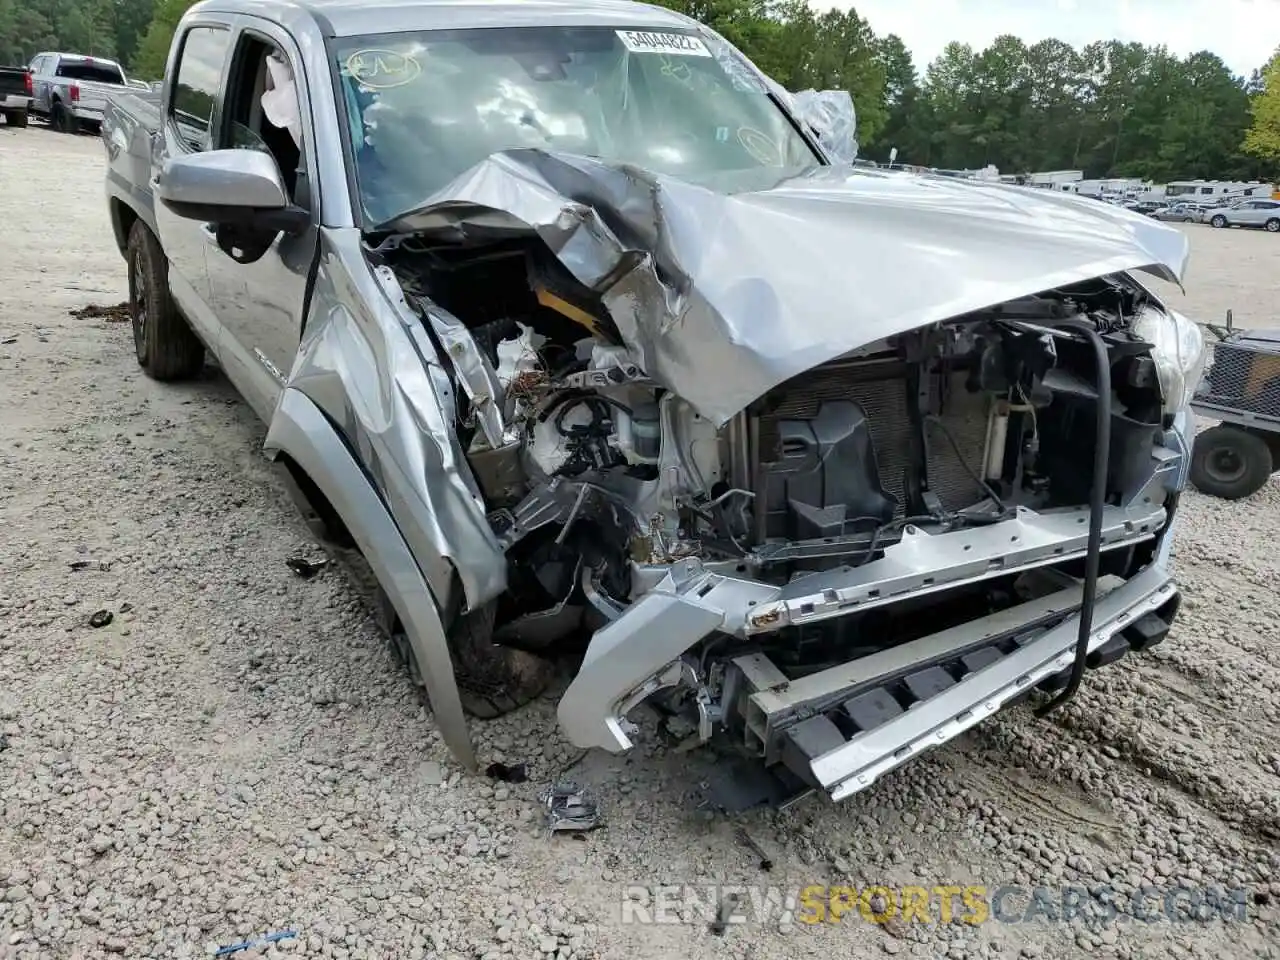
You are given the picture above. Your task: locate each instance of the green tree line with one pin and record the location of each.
(1109, 109)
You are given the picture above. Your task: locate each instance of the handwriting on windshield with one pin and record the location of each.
(380, 69)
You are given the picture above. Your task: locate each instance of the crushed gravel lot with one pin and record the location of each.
(237, 752)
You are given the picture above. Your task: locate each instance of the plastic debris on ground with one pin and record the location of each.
(269, 939)
(570, 807)
(515, 773)
(101, 618)
(304, 568)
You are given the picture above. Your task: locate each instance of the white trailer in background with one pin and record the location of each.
(1217, 189)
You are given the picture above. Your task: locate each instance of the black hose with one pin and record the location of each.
(1097, 497)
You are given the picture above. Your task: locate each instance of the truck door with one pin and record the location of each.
(260, 299)
(190, 113)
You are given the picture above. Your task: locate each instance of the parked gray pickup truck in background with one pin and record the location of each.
(566, 323)
(71, 91)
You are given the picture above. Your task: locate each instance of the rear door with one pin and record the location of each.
(191, 112)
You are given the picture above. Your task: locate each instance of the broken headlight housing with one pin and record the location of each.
(1177, 348)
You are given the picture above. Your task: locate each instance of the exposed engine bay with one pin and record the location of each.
(601, 485)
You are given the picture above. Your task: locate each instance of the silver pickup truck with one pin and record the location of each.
(565, 321)
(71, 90)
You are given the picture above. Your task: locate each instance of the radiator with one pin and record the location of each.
(881, 390)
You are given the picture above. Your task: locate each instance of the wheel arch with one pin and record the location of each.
(123, 217)
(329, 479)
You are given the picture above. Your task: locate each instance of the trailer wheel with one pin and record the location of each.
(167, 348)
(1230, 463)
(1273, 225)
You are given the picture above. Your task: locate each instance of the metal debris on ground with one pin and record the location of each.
(305, 568)
(514, 773)
(570, 807)
(766, 862)
(119, 313)
(8, 340)
(250, 944)
(101, 618)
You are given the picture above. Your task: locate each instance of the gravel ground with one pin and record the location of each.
(236, 752)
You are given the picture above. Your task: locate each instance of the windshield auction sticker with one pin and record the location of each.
(678, 44)
(382, 69)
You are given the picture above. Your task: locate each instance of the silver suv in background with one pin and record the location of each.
(1249, 213)
(71, 90)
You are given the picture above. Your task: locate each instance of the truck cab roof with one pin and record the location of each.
(345, 18)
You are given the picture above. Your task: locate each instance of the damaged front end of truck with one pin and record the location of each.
(830, 467)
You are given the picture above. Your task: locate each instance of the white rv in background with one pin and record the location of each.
(1217, 189)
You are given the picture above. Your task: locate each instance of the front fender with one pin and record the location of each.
(301, 431)
(370, 366)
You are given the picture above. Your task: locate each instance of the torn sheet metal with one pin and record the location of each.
(367, 362)
(570, 807)
(723, 290)
(831, 116)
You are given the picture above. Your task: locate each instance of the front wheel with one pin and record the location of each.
(1230, 463)
(492, 680)
(1273, 225)
(1219, 221)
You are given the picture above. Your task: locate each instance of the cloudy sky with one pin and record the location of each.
(1243, 32)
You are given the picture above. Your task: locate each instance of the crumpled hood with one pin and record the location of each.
(723, 290)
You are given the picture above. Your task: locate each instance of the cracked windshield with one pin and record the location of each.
(424, 107)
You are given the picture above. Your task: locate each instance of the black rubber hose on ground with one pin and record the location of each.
(1097, 498)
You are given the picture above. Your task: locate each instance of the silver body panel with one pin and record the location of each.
(732, 265)
(738, 287)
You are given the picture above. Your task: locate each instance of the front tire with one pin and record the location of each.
(1230, 463)
(1219, 221)
(492, 680)
(166, 347)
(1273, 225)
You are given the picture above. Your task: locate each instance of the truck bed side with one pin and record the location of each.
(129, 126)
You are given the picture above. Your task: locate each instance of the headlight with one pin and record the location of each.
(1177, 347)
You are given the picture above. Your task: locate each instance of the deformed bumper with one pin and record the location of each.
(859, 762)
(636, 654)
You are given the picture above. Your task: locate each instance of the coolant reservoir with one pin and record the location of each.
(646, 432)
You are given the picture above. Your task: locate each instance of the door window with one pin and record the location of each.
(195, 91)
(263, 111)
